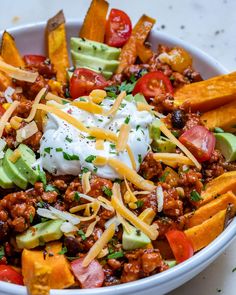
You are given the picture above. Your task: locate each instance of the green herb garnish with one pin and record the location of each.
(69, 157)
(42, 175)
(2, 252)
(47, 150)
(62, 251)
(51, 188)
(115, 255)
(59, 149)
(82, 234)
(194, 196)
(139, 203)
(164, 175)
(90, 159)
(76, 196)
(127, 119)
(68, 139)
(107, 191)
(139, 158)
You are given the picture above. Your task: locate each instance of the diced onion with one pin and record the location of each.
(68, 227)
(114, 220)
(46, 213)
(8, 94)
(6, 116)
(65, 215)
(160, 198)
(26, 131)
(2, 144)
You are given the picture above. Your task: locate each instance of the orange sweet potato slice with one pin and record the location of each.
(203, 234)
(218, 117)
(139, 34)
(207, 95)
(94, 25)
(218, 186)
(144, 53)
(57, 45)
(5, 81)
(210, 209)
(9, 51)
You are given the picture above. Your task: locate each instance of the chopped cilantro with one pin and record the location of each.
(194, 196)
(2, 252)
(91, 137)
(137, 127)
(100, 120)
(76, 196)
(107, 191)
(115, 255)
(84, 170)
(176, 133)
(139, 158)
(127, 119)
(138, 139)
(59, 149)
(90, 159)
(132, 78)
(234, 269)
(47, 150)
(164, 175)
(95, 169)
(127, 87)
(82, 99)
(42, 175)
(68, 139)
(51, 188)
(117, 180)
(69, 157)
(82, 234)
(139, 203)
(31, 217)
(113, 146)
(41, 204)
(62, 251)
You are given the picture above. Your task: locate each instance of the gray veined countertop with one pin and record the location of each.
(207, 24)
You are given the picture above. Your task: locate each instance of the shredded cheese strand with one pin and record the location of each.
(85, 182)
(88, 106)
(58, 99)
(91, 227)
(147, 215)
(116, 105)
(99, 145)
(133, 198)
(123, 170)
(99, 245)
(172, 159)
(123, 137)
(6, 116)
(106, 202)
(144, 107)
(17, 73)
(100, 161)
(171, 137)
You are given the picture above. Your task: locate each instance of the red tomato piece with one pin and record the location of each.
(91, 276)
(180, 245)
(2, 110)
(8, 274)
(118, 28)
(34, 60)
(153, 84)
(83, 81)
(200, 141)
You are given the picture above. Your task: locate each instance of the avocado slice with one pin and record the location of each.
(171, 263)
(25, 162)
(163, 146)
(134, 240)
(154, 129)
(140, 98)
(226, 143)
(5, 180)
(95, 63)
(39, 234)
(12, 172)
(94, 48)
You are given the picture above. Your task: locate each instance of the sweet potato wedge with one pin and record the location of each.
(218, 117)
(144, 53)
(207, 95)
(5, 81)
(203, 234)
(139, 34)
(94, 25)
(9, 51)
(218, 186)
(210, 209)
(57, 45)
(36, 266)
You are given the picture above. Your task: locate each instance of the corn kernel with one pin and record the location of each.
(127, 197)
(56, 87)
(6, 105)
(98, 95)
(8, 128)
(133, 205)
(15, 156)
(15, 122)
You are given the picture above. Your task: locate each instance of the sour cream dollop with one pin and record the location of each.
(65, 150)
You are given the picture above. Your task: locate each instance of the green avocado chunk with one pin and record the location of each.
(171, 263)
(95, 63)
(154, 129)
(94, 48)
(134, 240)
(25, 162)
(39, 234)
(163, 146)
(226, 143)
(140, 98)
(5, 180)
(12, 172)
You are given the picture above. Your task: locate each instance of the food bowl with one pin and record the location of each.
(30, 40)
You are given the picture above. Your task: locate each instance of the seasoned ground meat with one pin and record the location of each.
(34, 141)
(192, 119)
(164, 224)
(98, 185)
(149, 201)
(172, 207)
(150, 167)
(191, 180)
(214, 167)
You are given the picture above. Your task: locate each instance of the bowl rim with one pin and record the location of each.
(209, 253)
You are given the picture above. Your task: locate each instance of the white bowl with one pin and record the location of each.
(30, 40)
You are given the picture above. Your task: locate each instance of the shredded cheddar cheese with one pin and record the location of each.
(99, 145)
(147, 215)
(97, 95)
(58, 99)
(7, 115)
(144, 107)
(172, 159)
(88, 106)
(100, 161)
(91, 227)
(85, 182)
(116, 104)
(123, 137)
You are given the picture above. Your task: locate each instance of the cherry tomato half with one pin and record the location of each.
(83, 81)
(8, 274)
(34, 60)
(2, 110)
(200, 141)
(180, 245)
(152, 84)
(118, 28)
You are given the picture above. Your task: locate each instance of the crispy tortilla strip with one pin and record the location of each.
(203, 234)
(9, 51)
(139, 34)
(94, 24)
(209, 94)
(223, 117)
(57, 45)
(207, 211)
(218, 186)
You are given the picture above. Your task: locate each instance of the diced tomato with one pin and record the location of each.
(8, 274)
(153, 84)
(180, 245)
(200, 141)
(118, 28)
(91, 276)
(34, 60)
(2, 110)
(83, 81)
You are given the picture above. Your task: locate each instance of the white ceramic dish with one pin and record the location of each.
(30, 40)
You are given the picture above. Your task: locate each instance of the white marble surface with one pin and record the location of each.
(208, 24)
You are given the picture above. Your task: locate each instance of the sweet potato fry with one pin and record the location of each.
(203, 234)
(5, 81)
(218, 186)
(143, 52)
(139, 34)
(9, 51)
(95, 21)
(57, 45)
(209, 94)
(207, 211)
(218, 117)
